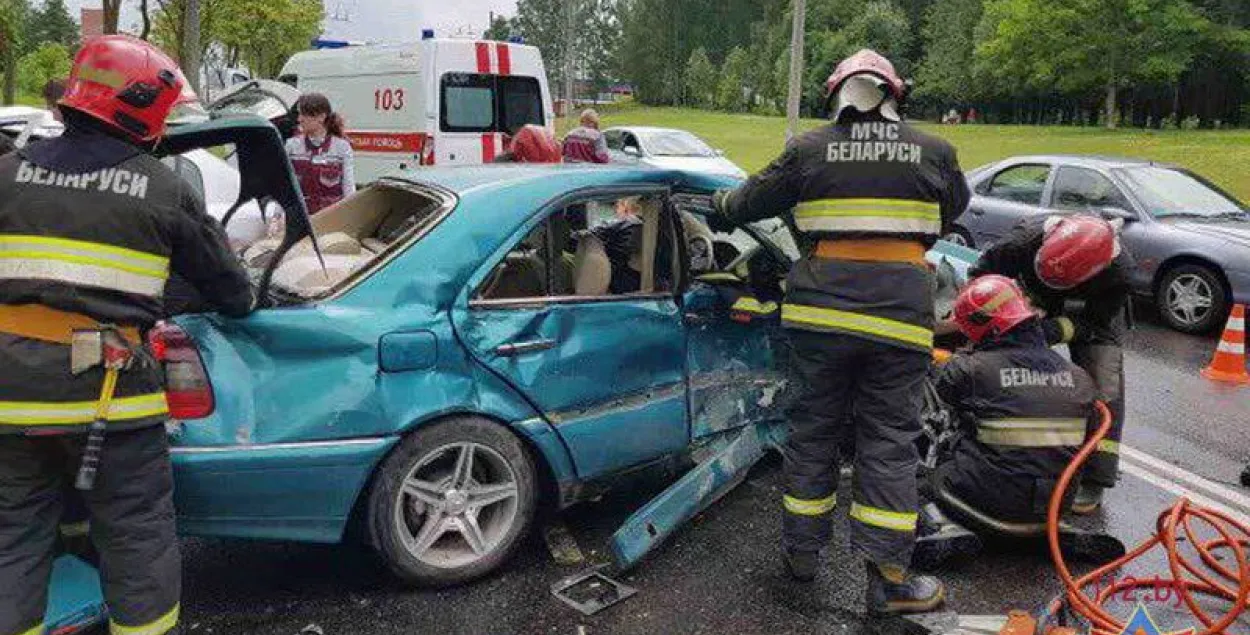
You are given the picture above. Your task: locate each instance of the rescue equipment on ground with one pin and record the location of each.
(1211, 576)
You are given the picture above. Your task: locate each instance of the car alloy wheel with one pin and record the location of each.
(457, 505)
(1189, 299)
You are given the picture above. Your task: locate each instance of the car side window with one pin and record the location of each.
(1019, 184)
(1082, 189)
(602, 247)
(614, 139)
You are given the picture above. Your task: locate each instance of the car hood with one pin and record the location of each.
(1233, 231)
(712, 165)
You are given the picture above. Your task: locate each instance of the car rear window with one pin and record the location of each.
(488, 103)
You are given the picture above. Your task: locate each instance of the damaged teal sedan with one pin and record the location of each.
(458, 345)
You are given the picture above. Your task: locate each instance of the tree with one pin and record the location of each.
(591, 46)
(700, 80)
(500, 29)
(266, 34)
(1087, 45)
(12, 26)
(50, 61)
(729, 92)
(112, 10)
(52, 23)
(945, 73)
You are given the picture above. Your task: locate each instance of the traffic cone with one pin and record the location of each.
(1229, 363)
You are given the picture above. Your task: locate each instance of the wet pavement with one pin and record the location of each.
(722, 573)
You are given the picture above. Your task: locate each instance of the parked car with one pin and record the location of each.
(1189, 239)
(668, 148)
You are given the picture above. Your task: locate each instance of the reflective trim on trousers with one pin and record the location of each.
(802, 315)
(75, 530)
(32, 413)
(159, 626)
(1108, 446)
(1032, 433)
(884, 518)
(815, 507)
(37, 630)
(748, 304)
(1067, 329)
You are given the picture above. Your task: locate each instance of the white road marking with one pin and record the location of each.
(1164, 468)
(1172, 486)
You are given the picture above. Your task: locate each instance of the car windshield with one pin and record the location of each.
(1170, 192)
(675, 143)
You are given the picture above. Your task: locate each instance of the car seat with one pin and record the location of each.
(592, 270)
(700, 244)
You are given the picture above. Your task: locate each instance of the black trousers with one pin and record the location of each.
(1105, 364)
(132, 526)
(875, 388)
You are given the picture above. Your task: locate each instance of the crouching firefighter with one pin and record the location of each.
(873, 193)
(91, 227)
(1022, 411)
(1078, 258)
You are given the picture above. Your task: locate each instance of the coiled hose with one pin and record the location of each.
(1210, 578)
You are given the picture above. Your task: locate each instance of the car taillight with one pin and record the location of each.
(187, 389)
(427, 150)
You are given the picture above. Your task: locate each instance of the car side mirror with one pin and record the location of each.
(1117, 213)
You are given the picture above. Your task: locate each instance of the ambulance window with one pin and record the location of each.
(468, 103)
(522, 102)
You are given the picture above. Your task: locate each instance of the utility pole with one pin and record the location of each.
(569, 54)
(796, 70)
(191, 45)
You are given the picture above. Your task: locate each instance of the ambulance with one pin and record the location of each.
(431, 102)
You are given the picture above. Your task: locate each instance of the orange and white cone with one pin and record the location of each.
(1229, 363)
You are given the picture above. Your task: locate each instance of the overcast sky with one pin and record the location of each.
(373, 20)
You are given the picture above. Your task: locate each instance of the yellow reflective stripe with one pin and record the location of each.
(748, 304)
(858, 323)
(1032, 433)
(884, 518)
(160, 626)
(106, 255)
(1067, 329)
(810, 507)
(27, 413)
(73, 530)
(38, 630)
(718, 277)
(888, 207)
(1108, 446)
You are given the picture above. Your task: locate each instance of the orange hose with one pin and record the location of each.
(1211, 579)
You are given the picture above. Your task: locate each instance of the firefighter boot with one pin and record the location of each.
(894, 591)
(802, 564)
(1088, 500)
(941, 539)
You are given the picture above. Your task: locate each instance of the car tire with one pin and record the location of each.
(961, 237)
(1192, 298)
(436, 524)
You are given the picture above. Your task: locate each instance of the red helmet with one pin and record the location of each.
(534, 144)
(125, 83)
(990, 305)
(869, 62)
(1075, 249)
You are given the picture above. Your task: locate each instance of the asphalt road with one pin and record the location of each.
(722, 573)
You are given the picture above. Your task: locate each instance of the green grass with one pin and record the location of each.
(752, 141)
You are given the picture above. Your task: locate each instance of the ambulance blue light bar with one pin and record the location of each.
(516, 39)
(427, 34)
(319, 43)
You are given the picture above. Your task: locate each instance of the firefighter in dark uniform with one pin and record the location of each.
(1061, 258)
(873, 193)
(91, 226)
(1021, 409)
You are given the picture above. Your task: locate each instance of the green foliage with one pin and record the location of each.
(50, 61)
(945, 74)
(730, 92)
(266, 34)
(593, 30)
(700, 80)
(52, 23)
(500, 29)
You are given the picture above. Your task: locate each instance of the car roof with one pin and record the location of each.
(645, 129)
(1085, 160)
(507, 187)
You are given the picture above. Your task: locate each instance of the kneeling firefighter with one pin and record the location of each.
(91, 227)
(1022, 411)
(873, 193)
(1061, 258)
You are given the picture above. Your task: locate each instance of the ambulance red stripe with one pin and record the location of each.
(488, 147)
(483, 57)
(398, 142)
(505, 58)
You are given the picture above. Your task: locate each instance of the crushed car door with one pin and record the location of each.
(578, 313)
(735, 345)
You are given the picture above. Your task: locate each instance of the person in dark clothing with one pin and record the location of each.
(872, 193)
(1059, 260)
(91, 226)
(1022, 411)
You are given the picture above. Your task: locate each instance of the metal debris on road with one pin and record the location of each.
(312, 629)
(591, 591)
(562, 545)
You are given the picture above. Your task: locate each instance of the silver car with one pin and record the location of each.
(1189, 238)
(668, 148)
